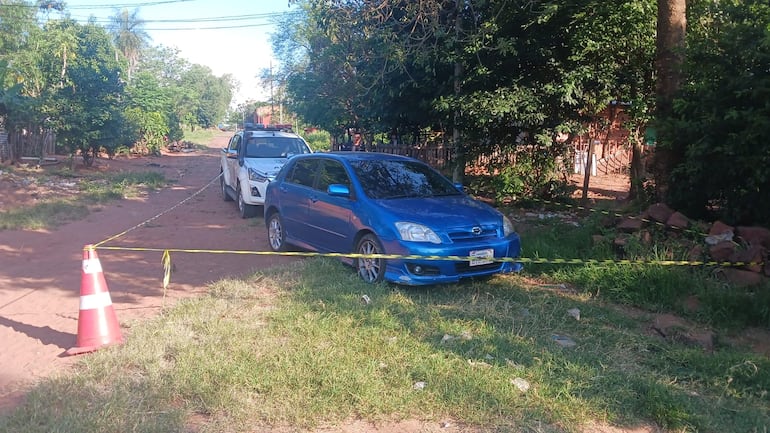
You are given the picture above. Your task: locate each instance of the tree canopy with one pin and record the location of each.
(519, 79)
(99, 88)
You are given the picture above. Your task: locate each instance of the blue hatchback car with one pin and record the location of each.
(380, 204)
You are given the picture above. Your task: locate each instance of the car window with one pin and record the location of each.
(332, 172)
(303, 173)
(235, 142)
(400, 179)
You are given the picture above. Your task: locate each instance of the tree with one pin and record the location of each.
(208, 95)
(508, 78)
(129, 36)
(669, 57)
(85, 108)
(720, 118)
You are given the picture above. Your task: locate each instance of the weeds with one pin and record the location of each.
(296, 346)
(93, 190)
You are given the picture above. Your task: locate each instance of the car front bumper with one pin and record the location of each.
(412, 269)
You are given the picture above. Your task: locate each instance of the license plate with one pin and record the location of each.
(482, 257)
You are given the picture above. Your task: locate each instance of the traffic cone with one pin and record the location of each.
(97, 324)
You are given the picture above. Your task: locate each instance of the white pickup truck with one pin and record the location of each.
(251, 159)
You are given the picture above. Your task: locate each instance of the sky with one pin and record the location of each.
(228, 36)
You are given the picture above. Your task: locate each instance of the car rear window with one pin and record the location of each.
(387, 179)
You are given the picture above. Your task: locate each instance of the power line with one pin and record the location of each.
(127, 5)
(199, 20)
(208, 28)
(103, 6)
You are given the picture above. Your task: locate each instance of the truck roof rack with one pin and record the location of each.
(262, 127)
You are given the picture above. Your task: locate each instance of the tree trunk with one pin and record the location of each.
(458, 173)
(669, 56)
(637, 167)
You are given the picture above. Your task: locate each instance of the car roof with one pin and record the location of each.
(359, 156)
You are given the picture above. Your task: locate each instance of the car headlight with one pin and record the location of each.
(507, 226)
(416, 233)
(258, 176)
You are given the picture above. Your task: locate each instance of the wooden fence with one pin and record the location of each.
(18, 145)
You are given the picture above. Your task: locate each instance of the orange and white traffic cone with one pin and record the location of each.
(97, 324)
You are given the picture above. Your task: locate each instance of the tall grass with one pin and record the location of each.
(655, 286)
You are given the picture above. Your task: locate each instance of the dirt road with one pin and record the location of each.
(40, 271)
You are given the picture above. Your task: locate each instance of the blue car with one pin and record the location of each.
(368, 203)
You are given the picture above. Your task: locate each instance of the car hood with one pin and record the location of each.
(448, 211)
(269, 166)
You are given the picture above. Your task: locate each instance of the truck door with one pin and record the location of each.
(232, 161)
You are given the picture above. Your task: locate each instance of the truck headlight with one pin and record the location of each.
(258, 176)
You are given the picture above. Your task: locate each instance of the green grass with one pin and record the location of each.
(93, 190)
(655, 287)
(296, 346)
(201, 138)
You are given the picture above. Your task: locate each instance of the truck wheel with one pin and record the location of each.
(223, 187)
(244, 209)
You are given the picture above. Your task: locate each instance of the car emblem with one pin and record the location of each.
(476, 231)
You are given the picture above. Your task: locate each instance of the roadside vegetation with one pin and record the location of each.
(201, 138)
(552, 349)
(87, 190)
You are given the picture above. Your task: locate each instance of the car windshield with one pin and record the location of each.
(387, 179)
(274, 147)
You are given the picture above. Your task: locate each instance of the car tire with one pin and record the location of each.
(223, 187)
(371, 270)
(276, 235)
(244, 209)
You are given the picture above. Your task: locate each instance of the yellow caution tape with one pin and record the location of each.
(167, 251)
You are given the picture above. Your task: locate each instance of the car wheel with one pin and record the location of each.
(371, 270)
(246, 210)
(223, 187)
(276, 236)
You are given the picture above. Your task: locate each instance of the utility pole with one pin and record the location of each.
(271, 93)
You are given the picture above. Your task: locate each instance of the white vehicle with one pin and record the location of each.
(252, 159)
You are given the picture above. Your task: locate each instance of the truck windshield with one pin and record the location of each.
(274, 147)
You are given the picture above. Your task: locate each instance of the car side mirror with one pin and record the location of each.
(338, 190)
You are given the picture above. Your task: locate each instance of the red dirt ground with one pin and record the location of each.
(40, 270)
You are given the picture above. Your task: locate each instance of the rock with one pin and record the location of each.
(659, 212)
(754, 255)
(597, 239)
(607, 221)
(521, 384)
(695, 254)
(719, 228)
(630, 225)
(563, 341)
(741, 277)
(646, 237)
(754, 235)
(722, 251)
(678, 220)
